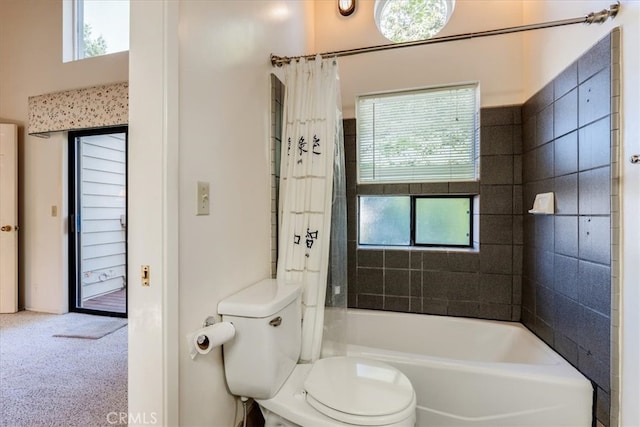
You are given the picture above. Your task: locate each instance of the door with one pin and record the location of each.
(8, 218)
(98, 221)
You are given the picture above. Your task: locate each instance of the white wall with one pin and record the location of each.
(223, 101)
(496, 62)
(31, 64)
(546, 54)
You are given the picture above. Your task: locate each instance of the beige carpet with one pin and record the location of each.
(53, 381)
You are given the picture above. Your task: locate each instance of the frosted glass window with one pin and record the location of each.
(443, 221)
(385, 220)
(428, 135)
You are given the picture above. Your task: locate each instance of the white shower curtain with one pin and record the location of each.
(312, 110)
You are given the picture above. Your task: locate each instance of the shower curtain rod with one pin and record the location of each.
(593, 17)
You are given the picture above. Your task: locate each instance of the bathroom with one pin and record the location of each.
(199, 75)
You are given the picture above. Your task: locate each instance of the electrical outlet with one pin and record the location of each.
(202, 198)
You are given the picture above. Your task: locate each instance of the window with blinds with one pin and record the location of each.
(428, 135)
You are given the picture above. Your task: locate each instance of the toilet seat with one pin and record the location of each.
(359, 391)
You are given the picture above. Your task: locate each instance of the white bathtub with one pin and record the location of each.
(469, 372)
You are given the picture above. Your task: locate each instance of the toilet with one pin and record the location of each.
(261, 362)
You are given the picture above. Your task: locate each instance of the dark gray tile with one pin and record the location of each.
(396, 259)
(527, 318)
(545, 232)
(463, 261)
(494, 311)
(595, 192)
(498, 115)
(566, 80)
(567, 317)
(566, 194)
(567, 348)
(566, 276)
(517, 169)
(349, 127)
(529, 171)
(416, 260)
(517, 259)
(463, 309)
(435, 260)
(496, 170)
(496, 199)
(370, 280)
(566, 235)
(545, 304)
(516, 313)
(544, 126)
(392, 303)
(462, 286)
(370, 258)
(565, 114)
(373, 302)
(518, 203)
(595, 144)
(594, 239)
(396, 189)
(496, 229)
(496, 140)
(352, 300)
(518, 237)
(415, 305)
(603, 405)
(370, 189)
(464, 187)
(594, 98)
(528, 295)
(595, 286)
(594, 369)
(496, 259)
(544, 331)
(544, 161)
(594, 333)
(495, 288)
(539, 100)
(595, 59)
(431, 306)
(528, 133)
(435, 285)
(566, 154)
(397, 282)
(416, 283)
(435, 188)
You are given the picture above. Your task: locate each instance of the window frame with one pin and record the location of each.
(412, 220)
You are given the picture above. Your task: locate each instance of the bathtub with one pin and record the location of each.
(469, 372)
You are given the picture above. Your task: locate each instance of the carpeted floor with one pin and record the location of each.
(56, 381)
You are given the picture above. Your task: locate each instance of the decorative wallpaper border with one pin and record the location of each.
(93, 107)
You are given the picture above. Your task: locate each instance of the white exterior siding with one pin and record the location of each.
(103, 191)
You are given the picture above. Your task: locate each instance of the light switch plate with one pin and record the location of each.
(202, 198)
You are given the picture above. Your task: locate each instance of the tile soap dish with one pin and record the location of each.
(543, 204)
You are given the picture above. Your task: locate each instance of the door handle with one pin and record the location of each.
(6, 228)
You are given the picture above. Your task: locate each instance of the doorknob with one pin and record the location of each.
(6, 228)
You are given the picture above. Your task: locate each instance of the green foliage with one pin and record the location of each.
(409, 20)
(93, 46)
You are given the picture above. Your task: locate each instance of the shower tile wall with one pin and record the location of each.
(566, 278)
(484, 284)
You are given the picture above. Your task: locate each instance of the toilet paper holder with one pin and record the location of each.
(210, 320)
(202, 340)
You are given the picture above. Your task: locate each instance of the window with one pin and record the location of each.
(416, 220)
(94, 28)
(428, 135)
(409, 20)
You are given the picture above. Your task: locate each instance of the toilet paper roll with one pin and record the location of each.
(209, 337)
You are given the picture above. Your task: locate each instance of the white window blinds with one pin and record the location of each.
(424, 136)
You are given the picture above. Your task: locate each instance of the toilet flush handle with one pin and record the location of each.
(276, 321)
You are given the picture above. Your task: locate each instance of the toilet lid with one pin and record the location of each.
(359, 391)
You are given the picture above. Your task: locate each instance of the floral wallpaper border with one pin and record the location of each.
(93, 107)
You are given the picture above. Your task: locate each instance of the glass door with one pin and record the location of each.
(98, 221)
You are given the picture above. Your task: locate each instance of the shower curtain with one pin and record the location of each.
(312, 129)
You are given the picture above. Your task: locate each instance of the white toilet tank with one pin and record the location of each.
(266, 346)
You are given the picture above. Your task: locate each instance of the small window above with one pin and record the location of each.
(95, 28)
(411, 20)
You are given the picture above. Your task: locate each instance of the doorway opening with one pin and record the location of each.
(98, 221)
